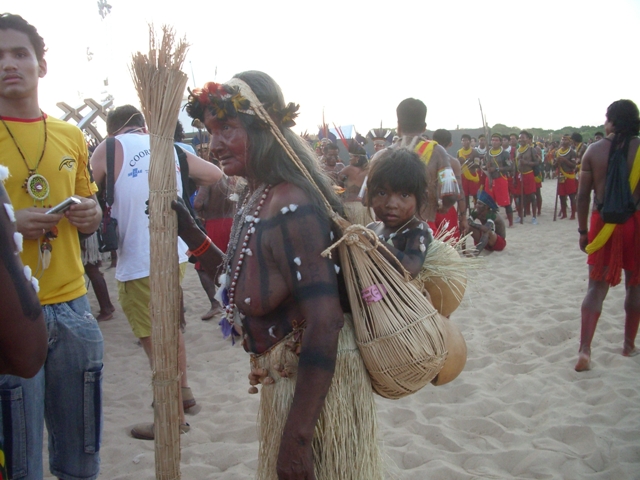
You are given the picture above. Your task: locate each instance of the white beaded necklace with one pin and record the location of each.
(231, 310)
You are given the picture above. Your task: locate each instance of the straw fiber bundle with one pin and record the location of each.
(344, 440)
(399, 333)
(160, 85)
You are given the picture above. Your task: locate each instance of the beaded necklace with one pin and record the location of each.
(523, 149)
(35, 184)
(561, 153)
(241, 217)
(498, 152)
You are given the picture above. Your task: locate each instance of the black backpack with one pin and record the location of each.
(618, 205)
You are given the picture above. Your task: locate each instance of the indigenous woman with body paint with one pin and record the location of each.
(317, 415)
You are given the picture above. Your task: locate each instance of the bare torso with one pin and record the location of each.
(285, 272)
(596, 161)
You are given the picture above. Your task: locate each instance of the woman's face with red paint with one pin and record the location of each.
(229, 143)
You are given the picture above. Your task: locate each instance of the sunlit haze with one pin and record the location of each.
(543, 64)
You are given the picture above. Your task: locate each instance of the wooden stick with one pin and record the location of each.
(555, 209)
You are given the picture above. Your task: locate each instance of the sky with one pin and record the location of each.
(546, 64)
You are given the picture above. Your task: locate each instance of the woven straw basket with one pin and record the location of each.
(399, 333)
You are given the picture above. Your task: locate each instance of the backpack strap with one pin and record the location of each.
(111, 151)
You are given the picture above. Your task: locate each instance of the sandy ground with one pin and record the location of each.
(518, 410)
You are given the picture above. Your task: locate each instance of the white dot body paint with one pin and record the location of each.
(271, 331)
(17, 239)
(27, 272)
(421, 239)
(247, 301)
(9, 209)
(284, 210)
(337, 269)
(35, 284)
(331, 236)
(298, 275)
(297, 261)
(293, 207)
(421, 227)
(423, 248)
(4, 173)
(405, 230)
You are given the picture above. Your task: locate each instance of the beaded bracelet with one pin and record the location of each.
(201, 249)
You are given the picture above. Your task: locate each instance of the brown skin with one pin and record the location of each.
(351, 179)
(462, 201)
(478, 231)
(213, 202)
(23, 333)
(279, 299)
(526, 162)
(593, 177)
(568, 163)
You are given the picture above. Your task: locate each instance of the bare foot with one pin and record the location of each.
(106, 315)
(630, 351)
(212, 313)
(584, 362)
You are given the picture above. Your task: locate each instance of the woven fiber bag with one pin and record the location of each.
(399, 333)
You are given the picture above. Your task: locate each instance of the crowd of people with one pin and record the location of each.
(264, 208)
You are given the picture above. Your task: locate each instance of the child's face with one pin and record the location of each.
(394, 209)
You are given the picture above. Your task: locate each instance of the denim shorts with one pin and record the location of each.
(66, 393)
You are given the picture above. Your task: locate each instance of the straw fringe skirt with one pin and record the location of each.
(357, 213)
(90, 250)
(345, 442)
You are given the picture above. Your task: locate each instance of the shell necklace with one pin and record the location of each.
(228, 280)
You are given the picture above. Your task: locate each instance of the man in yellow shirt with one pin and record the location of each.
(47, 159)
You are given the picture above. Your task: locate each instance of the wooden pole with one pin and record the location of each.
(160, 85)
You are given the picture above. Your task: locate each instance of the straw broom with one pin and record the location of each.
(160, 85)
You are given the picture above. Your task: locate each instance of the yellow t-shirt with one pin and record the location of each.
(65, 165)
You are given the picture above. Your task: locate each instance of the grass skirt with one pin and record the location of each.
(345, 440)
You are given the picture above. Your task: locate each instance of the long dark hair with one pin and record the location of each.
(624, 116)
(268, 161)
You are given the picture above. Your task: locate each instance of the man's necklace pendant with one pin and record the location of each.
(45, 251)
(36, 186)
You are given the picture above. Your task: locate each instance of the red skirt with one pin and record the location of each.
(499, 192)
(452, 217)
(219, 231)
(568, 187)
(470, 187)
(621, 252)
(529, 183)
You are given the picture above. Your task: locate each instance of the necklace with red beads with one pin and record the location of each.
(229, 280)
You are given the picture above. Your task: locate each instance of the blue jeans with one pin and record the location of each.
(66, 393)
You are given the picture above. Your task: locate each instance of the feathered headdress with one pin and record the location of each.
(226, 101)
(383, 134)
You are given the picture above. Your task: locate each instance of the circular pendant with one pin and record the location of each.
(38, 187)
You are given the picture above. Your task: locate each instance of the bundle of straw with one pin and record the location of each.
(160, 85)
(398, 332)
